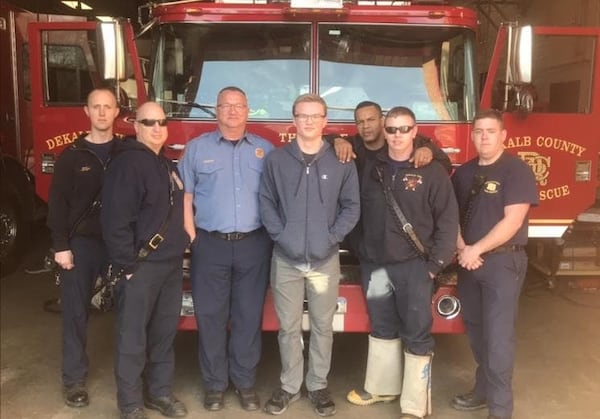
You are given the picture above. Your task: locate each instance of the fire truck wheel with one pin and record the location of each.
(12, 236)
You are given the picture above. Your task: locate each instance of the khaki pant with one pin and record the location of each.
(289, 285)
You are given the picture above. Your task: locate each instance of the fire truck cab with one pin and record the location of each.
(20, 206)
(420, 54)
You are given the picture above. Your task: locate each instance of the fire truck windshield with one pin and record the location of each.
(429, 69)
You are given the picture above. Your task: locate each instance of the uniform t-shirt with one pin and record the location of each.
(505, 182)
(100, 150)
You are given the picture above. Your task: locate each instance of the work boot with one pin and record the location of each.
(76, 395)
(468, 402)
(214, 400)
(168, 406)
(137, 413)
(415, 400)
(248, 399)
(364, 398)
(383, 375)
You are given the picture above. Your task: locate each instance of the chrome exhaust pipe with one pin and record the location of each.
(448, 306)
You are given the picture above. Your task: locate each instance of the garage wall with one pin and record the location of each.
(564, 13)
(568, 62)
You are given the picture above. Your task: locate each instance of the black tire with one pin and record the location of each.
(13, 236)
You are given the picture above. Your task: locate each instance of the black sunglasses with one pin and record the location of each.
(403, 129)
(151, 122)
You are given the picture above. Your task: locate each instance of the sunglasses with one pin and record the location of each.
(151, 122)
(403, 129)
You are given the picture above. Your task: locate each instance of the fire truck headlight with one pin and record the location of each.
(48, 160)
(448, 306)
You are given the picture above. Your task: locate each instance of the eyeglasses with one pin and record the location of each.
(234, 106)
(150, 122)
(403, 129)
(305, 118)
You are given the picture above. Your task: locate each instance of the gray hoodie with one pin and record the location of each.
(308, 209)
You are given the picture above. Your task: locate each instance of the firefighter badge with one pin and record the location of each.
(411, 181)
(259, 153)
(491, 186)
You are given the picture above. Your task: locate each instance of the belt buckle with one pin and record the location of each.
(155, 241)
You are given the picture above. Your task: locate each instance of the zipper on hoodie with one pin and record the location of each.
(306, 212)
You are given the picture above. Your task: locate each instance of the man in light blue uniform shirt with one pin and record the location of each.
(231, 250)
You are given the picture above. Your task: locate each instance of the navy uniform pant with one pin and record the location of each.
(490, 299)
(229, 282)
(149, 306)
(399, 303)
(76, 288)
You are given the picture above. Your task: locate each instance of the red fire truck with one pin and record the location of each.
(421, 54)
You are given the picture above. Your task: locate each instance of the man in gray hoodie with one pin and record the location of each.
(308, 202)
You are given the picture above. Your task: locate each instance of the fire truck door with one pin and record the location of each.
(64, 69)
(558, 137)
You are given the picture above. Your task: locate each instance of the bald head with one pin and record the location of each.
(149, 108)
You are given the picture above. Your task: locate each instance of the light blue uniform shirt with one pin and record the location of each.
(224, 180)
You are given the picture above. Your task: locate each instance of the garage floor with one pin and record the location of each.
(557, 372)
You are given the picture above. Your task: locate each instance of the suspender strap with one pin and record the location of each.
(88, 210)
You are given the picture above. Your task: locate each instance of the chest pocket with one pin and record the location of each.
(207, 175)
(209, 167)
(256, 164)
(252, 180)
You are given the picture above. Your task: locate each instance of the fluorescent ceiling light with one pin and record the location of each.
(78, 5)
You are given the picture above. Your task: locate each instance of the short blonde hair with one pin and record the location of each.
(312, 98)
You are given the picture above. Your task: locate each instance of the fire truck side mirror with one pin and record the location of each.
(111, 50)
(523, 54)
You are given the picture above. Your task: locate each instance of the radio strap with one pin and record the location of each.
(479, 180)
(155, 241)
(399, 216)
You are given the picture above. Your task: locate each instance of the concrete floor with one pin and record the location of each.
(557, 372)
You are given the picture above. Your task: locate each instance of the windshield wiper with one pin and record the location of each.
(340, 108)
(207, 108)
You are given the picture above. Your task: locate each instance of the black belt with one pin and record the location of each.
(506, 249)
(233, 236)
